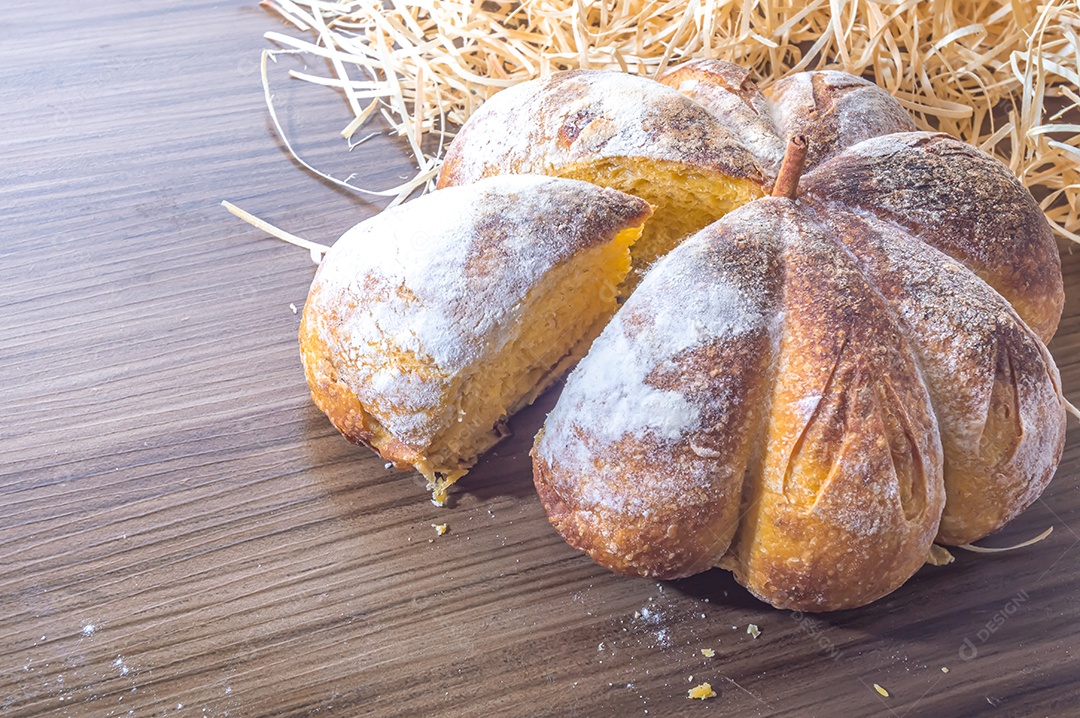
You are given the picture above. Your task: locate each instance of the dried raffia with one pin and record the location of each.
(1004, 549)
(940, 556)
(999, 74)
(317, 250)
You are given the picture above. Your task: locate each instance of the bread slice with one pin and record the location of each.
(431, 323)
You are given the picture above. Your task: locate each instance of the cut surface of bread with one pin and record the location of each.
(429, 324)
(684, 200)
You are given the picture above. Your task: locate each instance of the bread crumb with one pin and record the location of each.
(89, 630)
(708, 652)
(944, 669)
(703, 691)
(881, 690)
(440, 529)
(753, 630)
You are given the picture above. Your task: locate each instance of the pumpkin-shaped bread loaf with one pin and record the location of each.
(428, 324)
(829, 376)
(818, 386)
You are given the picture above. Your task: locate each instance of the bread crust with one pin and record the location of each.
(832, 110)
(993, 384)
(641, 464)
(727, 92)
(961, 201)
(551, 125)
(822, 413)
(850, 493)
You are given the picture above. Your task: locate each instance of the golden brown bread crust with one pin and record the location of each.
(961, 201)
(994, 386)
(850, 492)
(403, 309)
(547, 126)
(833, 110)
(727, 92)
(341, 406)
(800, 385)
(644, 463)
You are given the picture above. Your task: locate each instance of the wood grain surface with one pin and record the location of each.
(182, 533)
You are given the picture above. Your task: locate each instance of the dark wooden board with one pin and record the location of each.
(182, 533)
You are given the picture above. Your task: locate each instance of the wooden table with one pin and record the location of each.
(182, 532)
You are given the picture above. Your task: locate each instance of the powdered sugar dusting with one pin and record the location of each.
(962, 201)
(752, 124)
(624, 106)
(619, 390)
(832, 109)
(888, 145)
(725, 90)
(429, 261)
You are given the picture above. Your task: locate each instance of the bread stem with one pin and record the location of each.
(787, 180)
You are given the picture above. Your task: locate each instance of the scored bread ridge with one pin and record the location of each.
(544, 125)
(727, 92)
(847, 498)
(961, 201)
(994, 386)
(408, 302)
(641, 462)
(832, 109)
